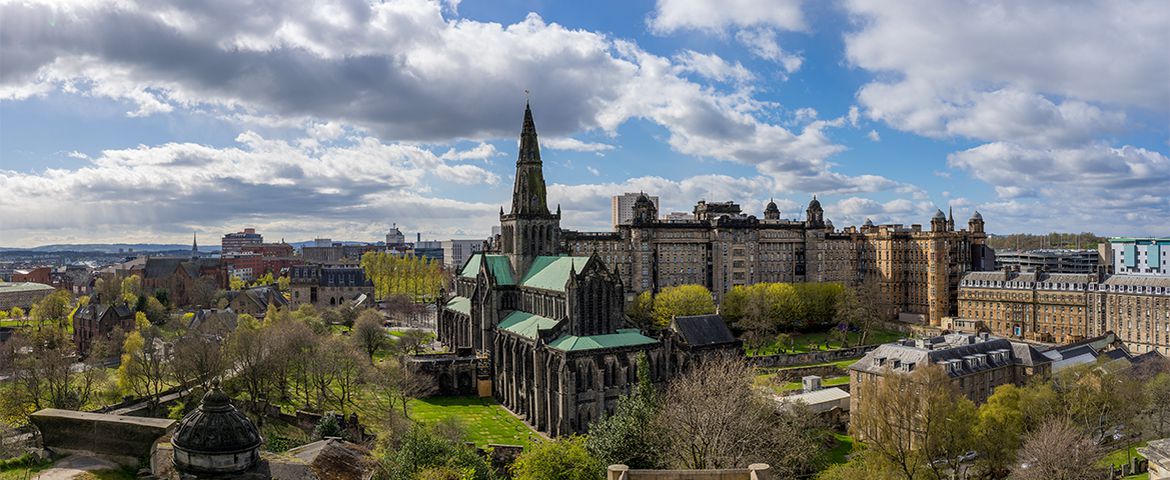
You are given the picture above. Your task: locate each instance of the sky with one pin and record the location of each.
(134, 121)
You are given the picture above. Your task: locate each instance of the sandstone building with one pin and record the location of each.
(720, 247)
(1062, 308)
(549, 326)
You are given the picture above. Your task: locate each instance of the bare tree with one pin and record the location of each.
(395, 383)
(349, 369)
(369, 332)
(252, 357)
(712, 418)
(44, 373)
(1058, 450)
(197, 359)
(144, 370)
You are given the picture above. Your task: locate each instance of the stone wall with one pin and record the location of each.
(808, 358)
(755, 471)
(119, 437)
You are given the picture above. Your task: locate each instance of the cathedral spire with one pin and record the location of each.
(194, 247)
(528, 193)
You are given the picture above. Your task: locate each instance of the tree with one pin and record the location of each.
(681, 300)
(1058, 450)
(131, 290)
(368, 332)
(1157, 392)
(641, 310)
(107, 290)
(564, 458)
(713, 418)
(236, 283)
(155, 311)
(859, 307)
(348, 369)
(411, 341)
(144, 371)
(395, 383)
(252, 356)
(631, 436)
(909, 420)
(54, 308)
(422, 450)
(1000, 426)
(282, 283)
(44, 375)
(203, 292)
(197, 360)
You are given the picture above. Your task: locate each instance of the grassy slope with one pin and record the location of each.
(484, 420)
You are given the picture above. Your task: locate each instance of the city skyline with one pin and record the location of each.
(142, 125)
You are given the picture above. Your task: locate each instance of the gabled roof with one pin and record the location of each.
(497, 265)
(623, 338)
(161, 267)
(702, 330)
(552, 273)
(460, 304)
(526, 324)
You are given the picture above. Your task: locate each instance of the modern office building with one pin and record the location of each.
(235, 242)
(1140, 256)
(622, 207)
(456, 252)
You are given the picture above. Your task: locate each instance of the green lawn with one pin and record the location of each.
(1120, 457)
(816, 341)
(484, 419)
(838, 453)
(825, 382)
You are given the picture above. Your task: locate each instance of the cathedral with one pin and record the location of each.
(549, 325)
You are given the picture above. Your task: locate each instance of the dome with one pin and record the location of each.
(939, 215)
(643, 200)
(977, 216)
(215, 437)
(868, 222)
(814, 204)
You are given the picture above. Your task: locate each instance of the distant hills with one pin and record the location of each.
(136, 247)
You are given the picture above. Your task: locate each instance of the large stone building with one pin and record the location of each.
(550, 326)
(977, 364)
(328, 285)
(1061, 308)
(720, 247)
(238, 241)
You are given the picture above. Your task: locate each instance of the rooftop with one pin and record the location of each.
(14, 287)
(623, 338)
(526, 324)
(552, 273)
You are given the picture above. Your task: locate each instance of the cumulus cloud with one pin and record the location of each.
(716, 16)
(177, 186)
(711, 66)
(573, 144)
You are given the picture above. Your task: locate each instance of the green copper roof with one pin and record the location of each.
(460, 304)
(13, 287)
(526, 324)
(498, 265)
(623, 338)
(551, 273)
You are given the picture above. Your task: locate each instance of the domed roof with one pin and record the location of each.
(216, 427)
(643, 200)
(771, 206)
(977, 216)
(868, 222)
(814, 204)
(939, 215)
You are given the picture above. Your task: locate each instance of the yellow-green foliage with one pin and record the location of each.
(782, 306)
(416, 277)
(681, 300)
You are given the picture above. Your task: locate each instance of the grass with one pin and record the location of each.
(816, 341)
(484, 419)
(840, 451)
(1121, 456)
(825, 382)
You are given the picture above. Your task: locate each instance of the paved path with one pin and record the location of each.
(72, 466)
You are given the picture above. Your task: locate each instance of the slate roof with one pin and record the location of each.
(950, 347)
(202, 316)
(526, 324)
(623, 338)
(702, 330)
(497, 265)
(460, 304)
(161, 267)
(552, 273)
(13, 287)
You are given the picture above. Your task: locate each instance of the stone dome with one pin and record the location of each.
(977, 216)
(215, 437)
(814, 204)
(868, 222)
(939, 215)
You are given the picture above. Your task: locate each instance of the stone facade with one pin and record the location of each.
(328, 285)
(550, 326)
(977, 363)
(720, 247)
(123, 438)
(1063, 308)
(96, 321)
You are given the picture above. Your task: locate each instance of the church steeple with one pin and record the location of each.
(529, 230)
(194, 247)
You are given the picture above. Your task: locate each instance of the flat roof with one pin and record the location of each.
(7, 287)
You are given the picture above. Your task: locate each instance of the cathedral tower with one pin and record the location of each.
(529, 230)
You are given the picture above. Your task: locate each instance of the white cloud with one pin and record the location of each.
(874, 135)
(716, 16)
(711, 66)
(762, 42)
(483, 151)
(573, 144)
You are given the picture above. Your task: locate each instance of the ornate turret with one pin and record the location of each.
(215, 438)
(771, 212)
(529, 230)
(815, 214)
(644, 210)
(938, 223)
(950, 219)
(975, 224)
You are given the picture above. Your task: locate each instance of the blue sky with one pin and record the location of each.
(142, 122)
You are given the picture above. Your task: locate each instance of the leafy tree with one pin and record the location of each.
(131, 290)
(144, 370)
(163, 296)
(418, 278)
(641, 310)
(564, 458)
(859, 307)
(282, 283)
(236, 283)
(681, 300)
(44, 375)
(1157, 392)
(422, 450)
(54, 308)
(16, 312)
(197, 360)
(411, 341)
(368, 332)
(155, 311)
(630, 436)
(998, 431)
(107, 291)
(395, 384)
